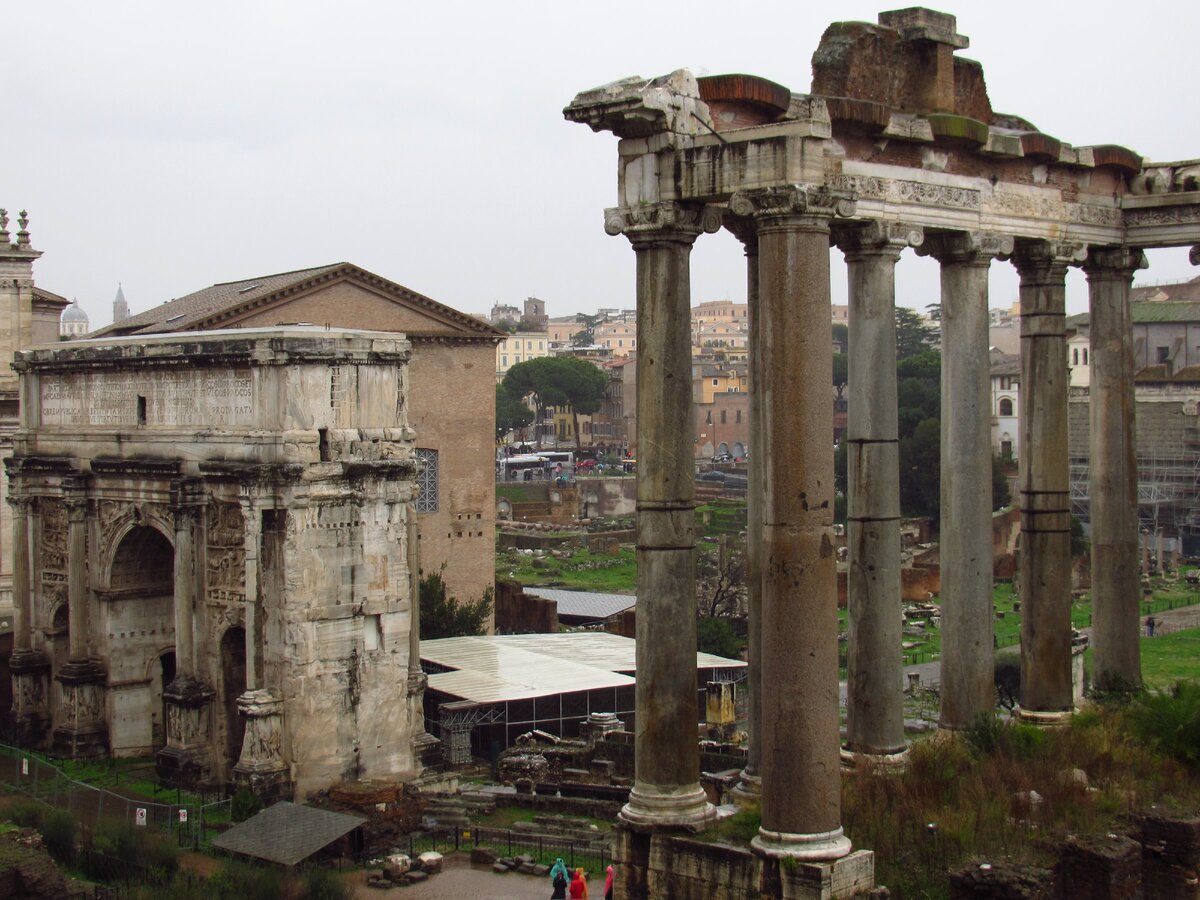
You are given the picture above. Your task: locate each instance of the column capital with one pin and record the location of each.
(877, 237)
(967, 246)
(667, 220)
(794, 200)
(1047, 260)
(1194, 255)
(1114, 260)
(743, 228)
(22, 504)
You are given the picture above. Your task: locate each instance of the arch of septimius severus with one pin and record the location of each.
(896, 147)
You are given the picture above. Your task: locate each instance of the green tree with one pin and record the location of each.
(443, 616)
(841, 336)
(920, 469)
(512, 413)
(716, 636)
(913, 334)
(558, 381)
(584, 384)
(841, 373)
(1001, 495)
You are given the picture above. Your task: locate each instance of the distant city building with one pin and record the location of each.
(120, 307)
(74, 322)
(520, 347)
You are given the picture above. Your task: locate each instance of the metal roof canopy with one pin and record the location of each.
(585, 604)
(286, 833)
(501, 668)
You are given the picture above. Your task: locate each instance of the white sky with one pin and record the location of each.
(170, 146)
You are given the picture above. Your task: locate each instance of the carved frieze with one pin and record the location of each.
(894, 190)
(226, 557)
(1166, 215)
(53, 552)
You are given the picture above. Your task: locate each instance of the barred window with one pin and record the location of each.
(427, 480)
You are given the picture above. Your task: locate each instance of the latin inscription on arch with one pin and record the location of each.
(215, 398)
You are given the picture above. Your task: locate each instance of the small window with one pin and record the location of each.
(427, 480)
(739, 417)
(1075, 357)
(716, 381)
(1164, 354)
(722, 417)
(141, 410)
(1006, 406)
(504, 361)
(1085, 362)
(708, 417)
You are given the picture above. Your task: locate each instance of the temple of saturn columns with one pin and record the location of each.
(896, 147)
(215, 556)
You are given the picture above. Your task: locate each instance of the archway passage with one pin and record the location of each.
(233, 685)
(139, 618)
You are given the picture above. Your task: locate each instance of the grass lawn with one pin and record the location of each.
(584, 571)
(1170, 658)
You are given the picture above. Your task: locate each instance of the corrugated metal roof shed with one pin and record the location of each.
(585, 604)
(287, 834)
(498, 668)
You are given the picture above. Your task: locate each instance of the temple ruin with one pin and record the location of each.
(896, 148)
(215, 556)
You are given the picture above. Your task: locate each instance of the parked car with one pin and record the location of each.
(585, 465)
(722, 458)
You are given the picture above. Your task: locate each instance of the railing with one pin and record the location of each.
(592, 856)
(193, 820)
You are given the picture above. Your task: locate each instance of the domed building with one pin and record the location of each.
(74, 322)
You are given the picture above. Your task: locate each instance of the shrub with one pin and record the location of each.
(1171, 722)
(244, 805)
(323, 884)
(1007, 676)
(246, 882)
(984, 734)
(58, 833)
(118, 847)
(27, 813)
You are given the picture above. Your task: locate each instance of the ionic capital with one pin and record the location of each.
(744, 230)
(979, 247)
(794, 200)
(1194, 255)
(682, 222)
(1119, 261)
(877, 237)
(1041, 259)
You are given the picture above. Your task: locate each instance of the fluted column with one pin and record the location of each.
(965, 535)
(77, 584)
(1113, 469)
(666, 789)
(252, 541)
(875, 691)
(29, 667)
(749, 786)
(425, 746)
(1045, 575)
(801, 784)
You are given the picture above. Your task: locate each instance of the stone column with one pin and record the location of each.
(1045, 576)
(261, 766)
(666, 790)
(749, 787)
(875, 690)
(84, 731)
(1116, 587)
(968, 681)
(186, 757)
(801, 784)
(29, 667)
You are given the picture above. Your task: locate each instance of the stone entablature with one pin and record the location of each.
(229, 516)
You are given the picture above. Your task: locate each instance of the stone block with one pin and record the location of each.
(430, 862)
(1106, 868)
(500, 867)
(484, 856)
(1010, 881)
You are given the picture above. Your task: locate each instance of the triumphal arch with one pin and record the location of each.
(215, 556)
(896, 148)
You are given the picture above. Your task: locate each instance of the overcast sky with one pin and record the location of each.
(169, 146)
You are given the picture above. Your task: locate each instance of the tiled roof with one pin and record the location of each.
(1180, 290)
(585, 604)
(1152, 311)
(195, 309)
(287, 834)
(49, 297)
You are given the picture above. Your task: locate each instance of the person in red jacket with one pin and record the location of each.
(578, 886)
(608, 884)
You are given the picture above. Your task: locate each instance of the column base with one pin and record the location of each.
(261, 768)
(687, 808)
(862, 759)
(187, 758)
(1045, 718)
(31, 709)
(84, 732)
(822, 846)
(748, 790)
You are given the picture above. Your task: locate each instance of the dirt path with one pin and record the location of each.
(460, 879)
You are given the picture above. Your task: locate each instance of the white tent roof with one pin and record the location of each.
(497, 668)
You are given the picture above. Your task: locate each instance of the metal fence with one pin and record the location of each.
(593, 856)
(194, 819)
